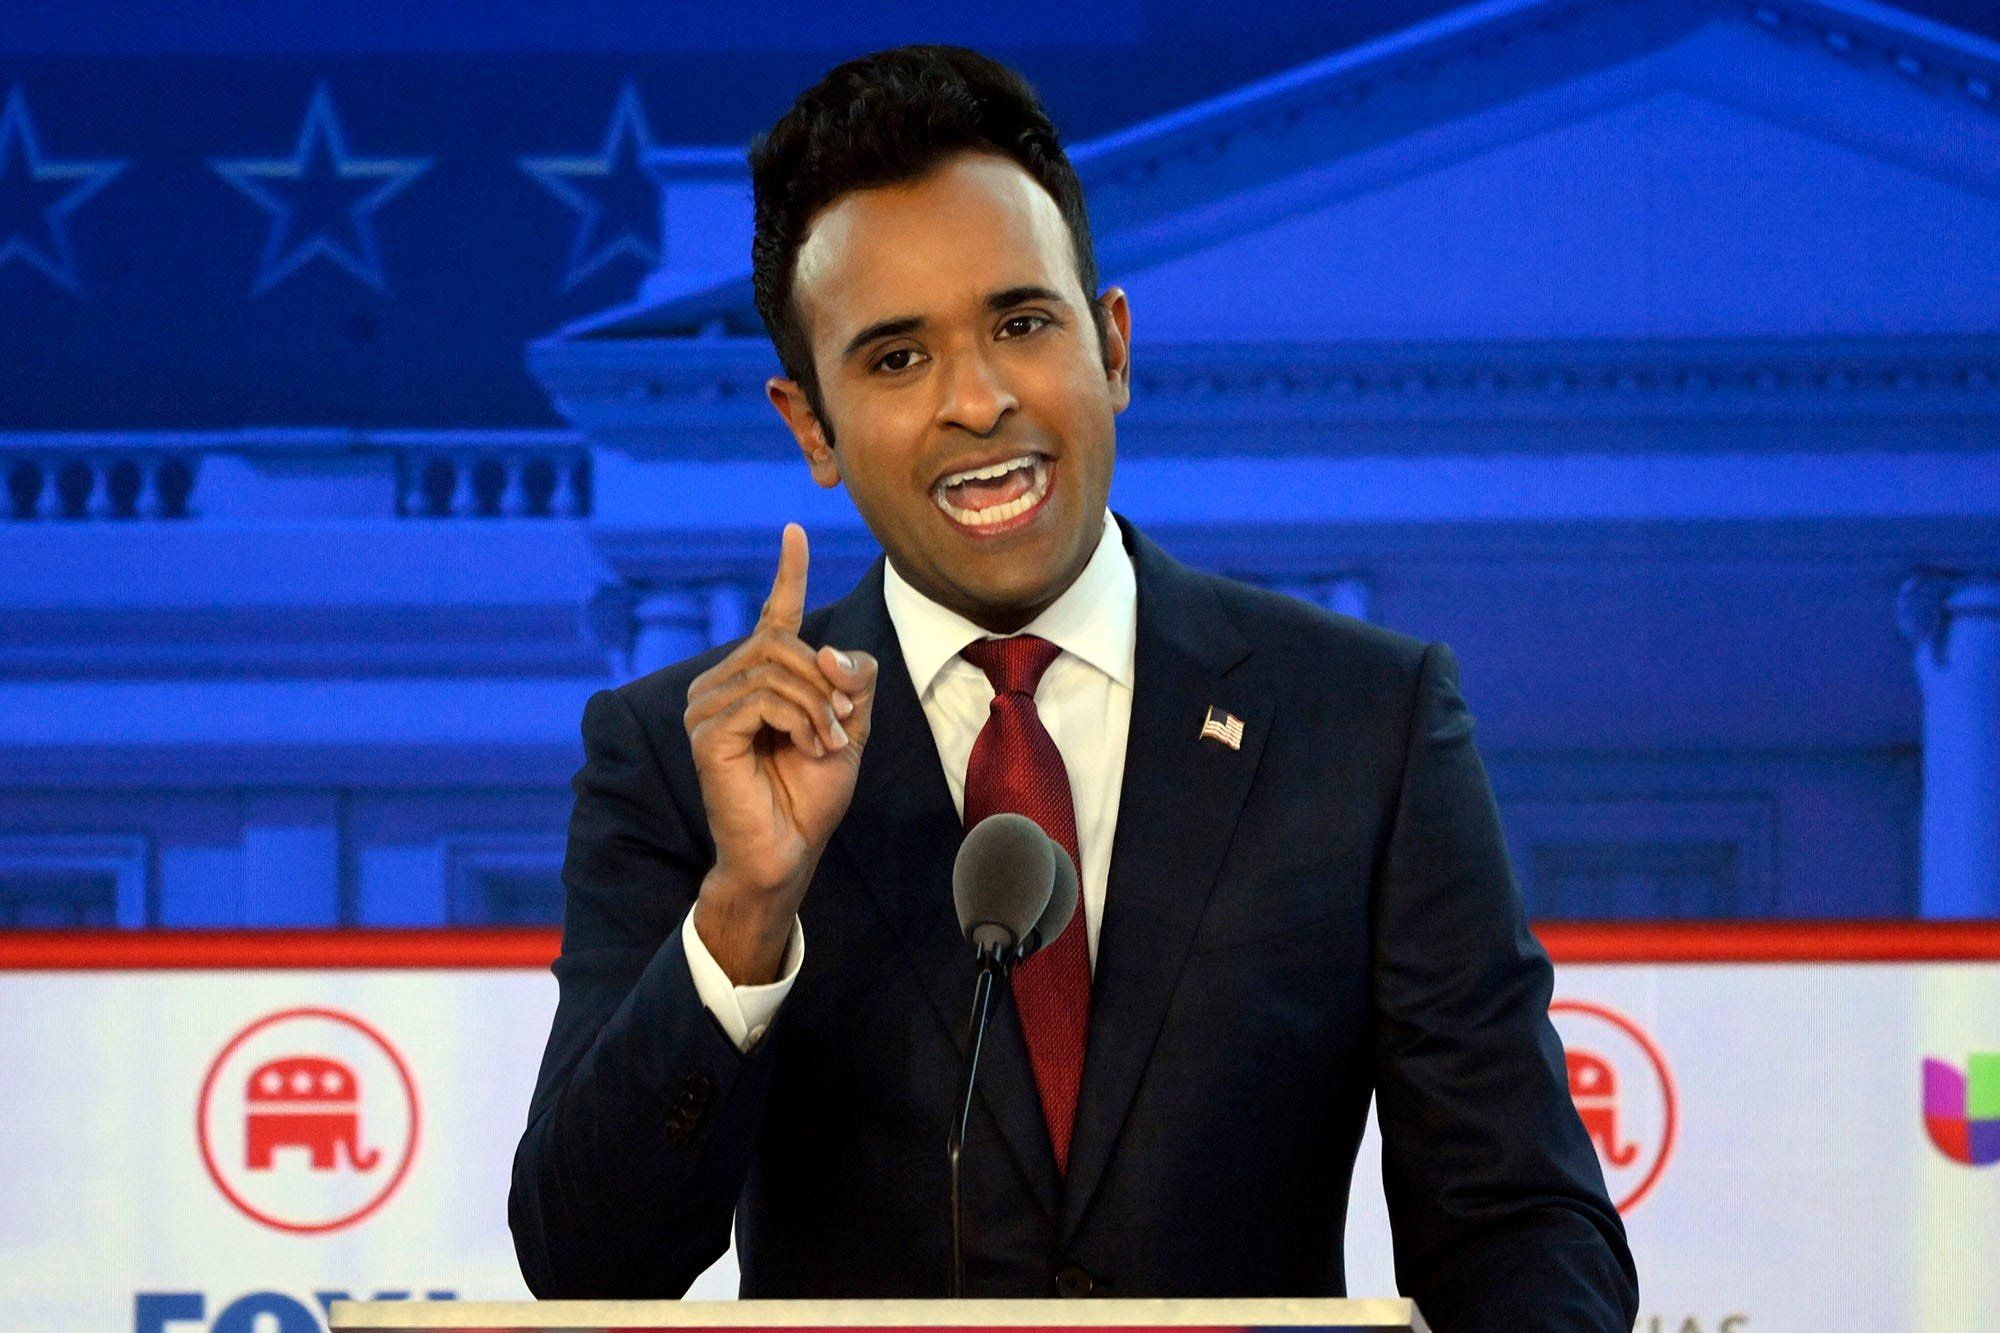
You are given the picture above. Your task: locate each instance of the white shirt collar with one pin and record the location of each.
(1095, 619)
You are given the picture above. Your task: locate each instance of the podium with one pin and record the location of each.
(980, 1316)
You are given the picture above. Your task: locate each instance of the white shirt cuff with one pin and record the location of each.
(743, 1011)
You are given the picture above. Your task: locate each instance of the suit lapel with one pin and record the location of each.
(902, 834)
(1177, 810)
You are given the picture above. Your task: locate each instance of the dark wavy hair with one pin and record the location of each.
(885, 119)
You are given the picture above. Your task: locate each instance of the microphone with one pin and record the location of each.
(1062, 902)
(1014, 889)
(1002, 883)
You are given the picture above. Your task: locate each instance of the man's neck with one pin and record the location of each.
(1093, 617)
(1002, 620)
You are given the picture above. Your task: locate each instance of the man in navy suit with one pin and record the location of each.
(1294, 889)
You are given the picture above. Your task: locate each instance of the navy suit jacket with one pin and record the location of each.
(1325, 913)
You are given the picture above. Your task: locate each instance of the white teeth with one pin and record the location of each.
(988, 473)
(1038, 486)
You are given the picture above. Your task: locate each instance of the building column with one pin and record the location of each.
(668, 625)
(291, 858)
(644, 629)
(1953, 624)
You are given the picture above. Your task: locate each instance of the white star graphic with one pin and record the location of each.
(615, 197)
(37, 193)
(317, 194)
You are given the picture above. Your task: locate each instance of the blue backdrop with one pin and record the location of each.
(376, 383)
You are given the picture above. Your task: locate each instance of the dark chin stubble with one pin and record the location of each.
(1074, 556)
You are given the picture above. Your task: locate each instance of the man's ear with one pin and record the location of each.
(792, 405)
(1117, 346)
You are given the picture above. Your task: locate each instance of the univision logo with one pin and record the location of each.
(1962, 1111)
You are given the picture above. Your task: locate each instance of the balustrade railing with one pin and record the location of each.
(152, 476)
(109, 485)
(484, 483)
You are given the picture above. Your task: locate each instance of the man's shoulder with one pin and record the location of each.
(1303, 641)
(1295, 646)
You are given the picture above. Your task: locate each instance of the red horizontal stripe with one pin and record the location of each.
(253, 950)
(535, 948)
(1771, 941)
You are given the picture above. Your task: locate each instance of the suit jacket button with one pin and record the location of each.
(1073, 1281)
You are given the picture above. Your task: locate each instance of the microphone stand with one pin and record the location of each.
(995, 962)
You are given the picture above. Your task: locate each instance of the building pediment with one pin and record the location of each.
(1728, 186)
(1541, 169)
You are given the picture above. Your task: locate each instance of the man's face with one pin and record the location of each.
(951, 336)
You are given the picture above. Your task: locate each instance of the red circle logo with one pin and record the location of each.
(307, 1120)
(1623, 1093)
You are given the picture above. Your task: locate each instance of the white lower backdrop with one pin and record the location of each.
(230, 1150)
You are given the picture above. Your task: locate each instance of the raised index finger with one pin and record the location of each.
(786, 606)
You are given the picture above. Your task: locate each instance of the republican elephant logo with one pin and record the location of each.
(1623, 1093)
(307, 1120)
(304, 1101)
(1593, 1086)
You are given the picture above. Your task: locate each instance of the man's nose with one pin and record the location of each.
(977, 397)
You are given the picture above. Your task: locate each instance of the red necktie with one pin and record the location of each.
(1015, 766)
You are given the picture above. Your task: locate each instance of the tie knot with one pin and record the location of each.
(1014, 665)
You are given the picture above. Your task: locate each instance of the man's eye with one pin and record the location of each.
(1017, 325)
(902, 358)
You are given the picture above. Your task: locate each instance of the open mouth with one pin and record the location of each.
(986, 497)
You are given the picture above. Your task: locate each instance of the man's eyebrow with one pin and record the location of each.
(882, 328)
(1013, 296)
(1005, 299)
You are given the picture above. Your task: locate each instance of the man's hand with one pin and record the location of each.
(777, 732)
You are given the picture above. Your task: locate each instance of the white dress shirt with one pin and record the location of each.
(1084, 700)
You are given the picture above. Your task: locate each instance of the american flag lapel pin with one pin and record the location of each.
(1224, 726)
